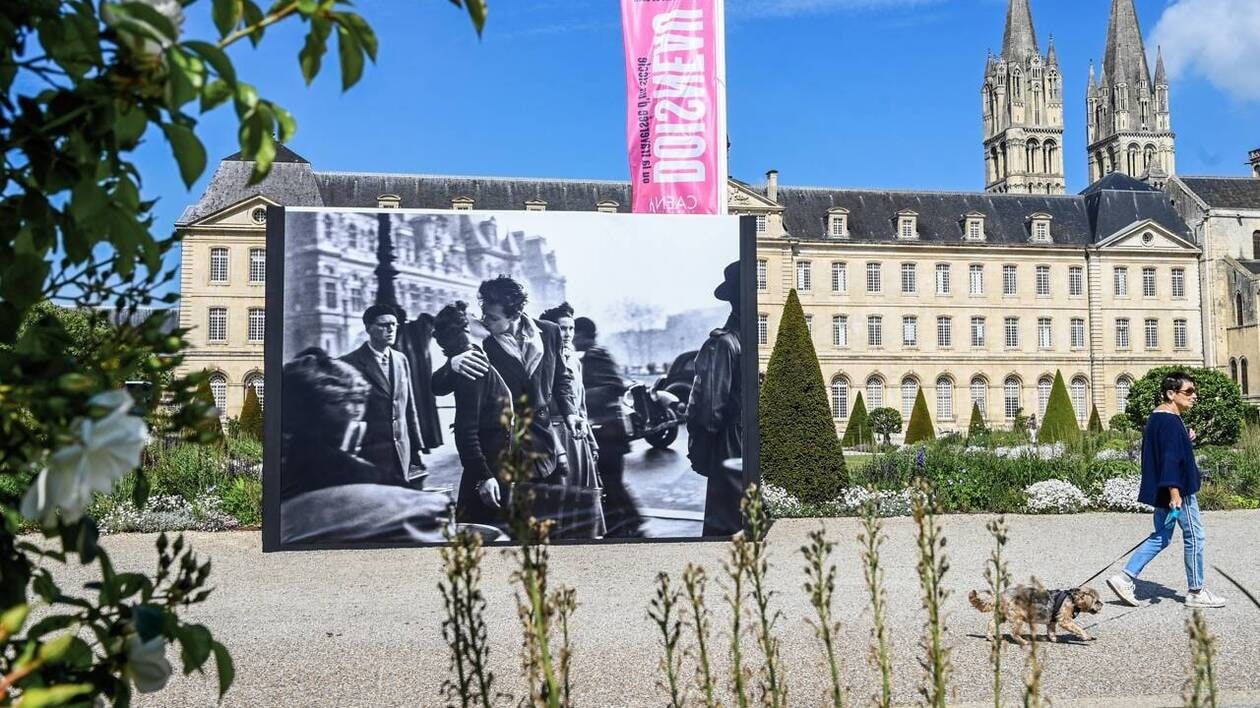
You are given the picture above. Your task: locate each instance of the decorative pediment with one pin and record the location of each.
(742, 197)
(250, 213)
(1146, 235)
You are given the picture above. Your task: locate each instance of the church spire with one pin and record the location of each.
(1052, 57)
(1125, 56)
(1161, 76)
(1020, 40)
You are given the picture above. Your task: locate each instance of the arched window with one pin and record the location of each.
(1051, 158)
(1233, 369)
(255, 381)
(1255, 244)
(1238, 309)
(980, 394)
(1044, 386)
(1031, 152)
(944, 398)
(1076, 389)
(1148, 157)
(1242, 374)
(1133, 159)
(1010, 395)
(1123, 385)
(218, 387)
(874, 393)
(839, 396)
(909, 390)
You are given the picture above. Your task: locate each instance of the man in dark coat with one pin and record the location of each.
(604, 387)
(715, 418)
(392, 439)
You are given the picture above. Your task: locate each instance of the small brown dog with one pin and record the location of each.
(1031, 605)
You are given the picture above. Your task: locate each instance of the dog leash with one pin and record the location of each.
(1172, 519)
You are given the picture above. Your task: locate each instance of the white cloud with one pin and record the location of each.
(1218, 40)
(745, 9)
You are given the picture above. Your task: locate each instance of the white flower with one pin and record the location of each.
(1055, 496)
(106, 449)
(146, 663)
(1121, 493)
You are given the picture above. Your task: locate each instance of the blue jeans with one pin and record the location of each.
(1191, 535)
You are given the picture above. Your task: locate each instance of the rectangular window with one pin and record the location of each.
(1179, 334)
(218, 265)
(837, 226)
(1122, 333)
(1178, 282)
(974, 229)
(1120, 280)
(909, 278)
(1045, 338)
(356, 299)
(840, 331)
(1043, 280)
(763, 329)
(975, 279)
(1148, 282)
(257, 266)
(763, 280)
(1041, 231)
(761, 223)
(875, 331)
(1078, 333)
(977, 331)
(944, 332)
(873, 279)
(1010, 328)
(1076, 281)
(217, 330)
(1009, 284)
(804, 275)
(907, 228)
(809, 325)
(330, 295)
(942, 279)
(839, 277)
(910, 331)
(1152, 333)
(257, 324)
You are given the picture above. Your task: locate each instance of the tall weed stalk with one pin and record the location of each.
(820, 583)
(1200, 690)
(773, 683)
(999, 578)
(694, 581)
(663, 613)
(464, 627)
(932, 567)
(871, 539)
(1032, 675)
(735, 567)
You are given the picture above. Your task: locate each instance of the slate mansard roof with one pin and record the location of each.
(1107, 206)
(1226, 192)
(1112, 203)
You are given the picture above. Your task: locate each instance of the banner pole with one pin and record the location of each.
(723, 141)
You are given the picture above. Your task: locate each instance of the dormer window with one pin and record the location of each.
(462, 203)
(388, 201)
(535, 205)
(907, 224)
(973, 226)
(838, 222)
(1040, 227)
(607, 206)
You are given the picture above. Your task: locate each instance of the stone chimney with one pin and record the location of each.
(772, 185)
(1254, 158)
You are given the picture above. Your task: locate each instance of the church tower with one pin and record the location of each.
(1022, 104)
(1128, 125)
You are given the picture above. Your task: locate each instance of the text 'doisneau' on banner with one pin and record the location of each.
(675, 127)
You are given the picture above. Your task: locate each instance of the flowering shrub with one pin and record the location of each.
(1054, 496)
(890, 503)
(1052, 451)
(779, 503)
(168, 512)
(1110, 454)
(1120, 494)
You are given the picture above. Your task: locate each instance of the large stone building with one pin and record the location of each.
(973, 296)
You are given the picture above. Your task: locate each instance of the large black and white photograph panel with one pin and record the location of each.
(469, 369)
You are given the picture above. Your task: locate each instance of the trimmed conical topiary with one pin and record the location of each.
(1060, 420)
(799, 448)
(251, 423)
(920, 426)
(976, 426)
(1095, 422)
(858, 431)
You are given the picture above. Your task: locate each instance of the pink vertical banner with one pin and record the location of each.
(675, 100)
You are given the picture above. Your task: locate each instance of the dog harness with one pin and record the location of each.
(1058, 598)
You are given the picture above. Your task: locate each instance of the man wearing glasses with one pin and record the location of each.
(391, 439)
(1170, 480)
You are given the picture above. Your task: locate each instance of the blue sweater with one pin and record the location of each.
(1167, 460)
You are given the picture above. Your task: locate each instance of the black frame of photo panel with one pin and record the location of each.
(273, 364)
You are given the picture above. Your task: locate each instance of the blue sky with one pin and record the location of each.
(854, 93)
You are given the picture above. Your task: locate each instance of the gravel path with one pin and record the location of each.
(362, 628)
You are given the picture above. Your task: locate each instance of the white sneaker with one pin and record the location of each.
(1122, 585)
(1204, 598)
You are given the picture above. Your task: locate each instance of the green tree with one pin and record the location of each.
(1095, 422)
(1217, 416)
(1059, 424)
(251, 423)
(886, 421)
(976, 426)
(799, 448)
(82, 85)
(1120, 422)
(858, 430)
(920, 425)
